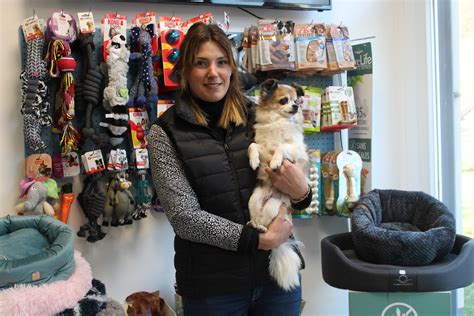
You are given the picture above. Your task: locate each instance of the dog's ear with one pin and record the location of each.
(267, 88)
(299, 90)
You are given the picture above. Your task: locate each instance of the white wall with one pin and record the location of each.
(140, 257)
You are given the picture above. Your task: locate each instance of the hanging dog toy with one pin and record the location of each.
(142, 198)
(116, 93)
(145, 87)
(62, 65)
(34, 94)
(88, 93)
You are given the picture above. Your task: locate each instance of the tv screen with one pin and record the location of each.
(319, 5)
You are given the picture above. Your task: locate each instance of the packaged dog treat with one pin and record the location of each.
(339, 49)
(338, 109)
(254, 56)
(349, 165)
(310, 46)
(276, 45)
(311, 109)
(330, 183)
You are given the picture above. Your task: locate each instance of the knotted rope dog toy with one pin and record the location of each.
(145, 87)
(88, 93)
(62, 65)
(34, 92)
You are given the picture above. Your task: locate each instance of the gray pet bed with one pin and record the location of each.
(402, 228)
(35, 250)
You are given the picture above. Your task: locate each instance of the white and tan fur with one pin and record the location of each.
(278, 136)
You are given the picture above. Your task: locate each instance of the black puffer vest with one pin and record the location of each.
(219, 172)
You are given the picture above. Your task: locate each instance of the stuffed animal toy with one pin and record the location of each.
(36, 194)
(145, 303)
(142, 198)
(116, 93)
(145, 87)
(92, 200)
(119, 201)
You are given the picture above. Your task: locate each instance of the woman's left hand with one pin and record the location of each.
(289, 179)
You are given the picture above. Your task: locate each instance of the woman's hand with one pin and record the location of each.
(278, 231)
(290, 180)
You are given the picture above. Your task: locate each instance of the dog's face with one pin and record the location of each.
(280, 99)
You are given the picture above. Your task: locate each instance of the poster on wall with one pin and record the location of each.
(360, 137)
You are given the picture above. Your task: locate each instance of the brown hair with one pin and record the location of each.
(234, 105)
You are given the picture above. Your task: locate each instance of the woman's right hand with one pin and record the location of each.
(278, 231)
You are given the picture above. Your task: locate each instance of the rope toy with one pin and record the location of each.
(34, 95)
(88, 93)
(116, 93)
(62, 65)
(145, 86)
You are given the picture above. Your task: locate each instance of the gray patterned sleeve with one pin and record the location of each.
(179, 200)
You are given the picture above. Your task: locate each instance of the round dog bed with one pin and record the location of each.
(48, 298)
(402, 228)
(35, 250)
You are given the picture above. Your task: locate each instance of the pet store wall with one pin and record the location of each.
(140, 256)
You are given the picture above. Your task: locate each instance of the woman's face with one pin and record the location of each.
(210, 75)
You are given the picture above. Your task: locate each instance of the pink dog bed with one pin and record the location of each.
(49, 298)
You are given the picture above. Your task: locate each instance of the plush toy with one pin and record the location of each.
(119, 201)
(145, 87)
(36, 194)
(116, 92)
(91, 200)
(142, 198)
(145, 303)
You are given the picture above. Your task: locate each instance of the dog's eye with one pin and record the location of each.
(283, 101)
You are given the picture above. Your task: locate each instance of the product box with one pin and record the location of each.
(162, 106)
(311, 109)
(138, 127)
(338, 109)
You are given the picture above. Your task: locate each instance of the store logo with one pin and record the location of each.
(403, 279)
(399, 309)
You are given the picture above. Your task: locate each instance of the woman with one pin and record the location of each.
(201, 173)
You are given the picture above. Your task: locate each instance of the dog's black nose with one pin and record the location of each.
(295, 108)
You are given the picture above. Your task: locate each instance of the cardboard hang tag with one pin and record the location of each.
(36, 163)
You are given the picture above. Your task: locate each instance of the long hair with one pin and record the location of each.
(234, 110)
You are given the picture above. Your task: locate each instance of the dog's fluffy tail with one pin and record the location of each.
(285, 265)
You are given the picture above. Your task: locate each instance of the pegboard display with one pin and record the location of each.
(52, 139)
(323, 141)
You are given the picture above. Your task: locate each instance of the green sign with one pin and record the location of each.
(400, 304)
(362, 146)
(363, 58)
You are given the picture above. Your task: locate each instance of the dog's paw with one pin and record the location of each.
(254, 162)
(260, 228)
(276, 163)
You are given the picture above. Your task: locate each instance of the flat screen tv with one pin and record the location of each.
(319, 5)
